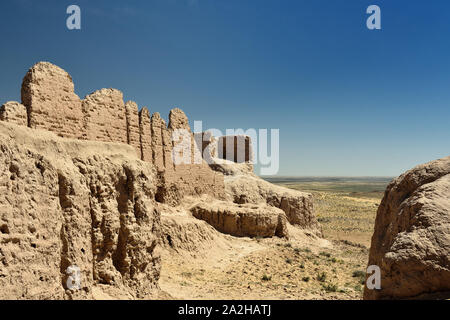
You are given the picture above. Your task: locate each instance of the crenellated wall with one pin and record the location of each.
(50, 103)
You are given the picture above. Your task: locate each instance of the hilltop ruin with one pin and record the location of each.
(90, 183)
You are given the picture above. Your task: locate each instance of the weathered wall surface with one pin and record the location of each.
(133, 130)
(48, 94)
(194, 177)
(75, 203)
(105, 116)
(157, 127)
(14, 112)
(145, 135)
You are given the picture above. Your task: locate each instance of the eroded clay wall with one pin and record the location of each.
(14, 112)
(192, 178)
(105, 116)
(157, 126)
(145, 135)
(48, 94)
(133, 130)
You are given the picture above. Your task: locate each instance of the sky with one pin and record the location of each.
(348, 101)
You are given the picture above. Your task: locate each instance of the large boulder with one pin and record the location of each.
(411, 241)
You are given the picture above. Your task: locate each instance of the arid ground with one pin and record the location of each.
(298, 268)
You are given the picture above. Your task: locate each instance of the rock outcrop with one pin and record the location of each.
(73, 203)
(243, 186)
(242, 220)
(411, 241)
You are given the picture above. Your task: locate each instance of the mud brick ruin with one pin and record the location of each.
(50, 103)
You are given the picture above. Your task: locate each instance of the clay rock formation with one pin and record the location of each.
(411, 241)
(14, 112)
(243, 186)
(74, 203)
(242, 220)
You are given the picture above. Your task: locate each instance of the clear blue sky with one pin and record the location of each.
(347, 101)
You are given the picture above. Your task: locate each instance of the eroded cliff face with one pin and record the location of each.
(411, 240)
(72, 203)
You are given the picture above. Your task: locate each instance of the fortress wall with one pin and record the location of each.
(235, 148)
(14, 112)
(105, 116)
(145, 135)
(49, 103)
(194, 178)
(133, 129)
(48, 94)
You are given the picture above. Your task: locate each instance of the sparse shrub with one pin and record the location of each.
(322, 277)
(305, 279)
(297, 250)
(288, 260)
(266, 278)
(361, 275)
(358, 274)
(329, 287)
(288, 245)
(302, 266)
(325, 254)
(333, 260)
